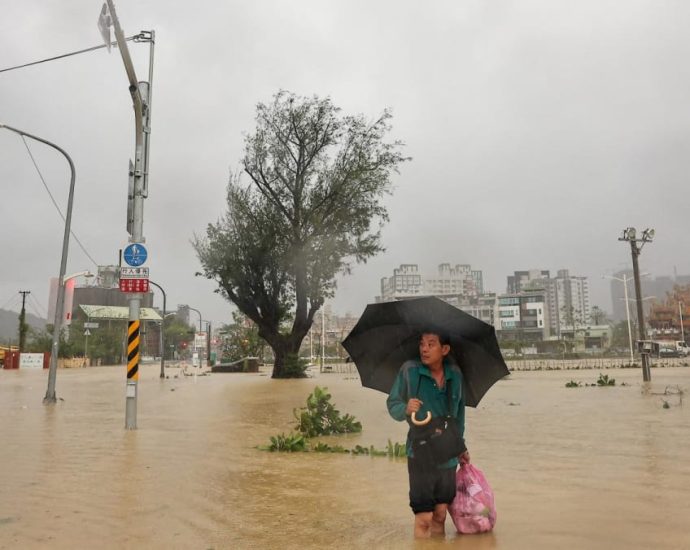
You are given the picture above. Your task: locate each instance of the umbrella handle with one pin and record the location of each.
(420, 422)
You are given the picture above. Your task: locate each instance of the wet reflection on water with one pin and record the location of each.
(585, 467)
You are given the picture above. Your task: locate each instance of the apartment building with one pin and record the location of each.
(459, 281)
(523, 316)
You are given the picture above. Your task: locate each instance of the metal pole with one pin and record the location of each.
(162, 330)
(627, 315)
(680, 313)
(199, 314)
(86, 344)
(646, 374)
(323, 339)
(133, 337)
(60, 303)
(208, 343)
(147, 118)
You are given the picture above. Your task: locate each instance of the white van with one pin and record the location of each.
(682, 348)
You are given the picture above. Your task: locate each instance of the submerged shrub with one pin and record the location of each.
(604, 380)
(290, 443)
(320, 417)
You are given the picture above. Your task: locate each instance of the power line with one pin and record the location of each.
(55, 203)
(36, 305)
(135, 37)
(12, 298)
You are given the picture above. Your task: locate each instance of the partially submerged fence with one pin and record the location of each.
(548, 364)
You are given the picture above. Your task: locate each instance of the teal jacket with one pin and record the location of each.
(414, 380)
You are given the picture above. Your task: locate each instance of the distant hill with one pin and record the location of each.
(9, 324)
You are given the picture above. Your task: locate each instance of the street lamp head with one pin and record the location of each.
(648, 235)
(86, 274)
(629, 234)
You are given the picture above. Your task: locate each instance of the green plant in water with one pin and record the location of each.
(604, 380)
(320, 417)
(325, 448)
(291, 443)
(397, 450)
(572, 384)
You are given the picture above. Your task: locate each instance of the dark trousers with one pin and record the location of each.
(429, 486)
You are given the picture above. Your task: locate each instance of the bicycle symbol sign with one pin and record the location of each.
(135, 254)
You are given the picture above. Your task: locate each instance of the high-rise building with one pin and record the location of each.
(572, 300)
(566, 297)
(519, 279)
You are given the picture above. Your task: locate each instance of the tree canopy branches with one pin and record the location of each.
(312, 206)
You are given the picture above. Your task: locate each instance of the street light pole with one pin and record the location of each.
(630, 235)
(627, 315)
(162, 338)
(200, 329)
(208, 343)
(198, 313)
(52, 369)
(624, 280)
(680, 314)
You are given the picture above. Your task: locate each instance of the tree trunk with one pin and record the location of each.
(283, 349)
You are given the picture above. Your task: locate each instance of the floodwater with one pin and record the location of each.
(586, 467)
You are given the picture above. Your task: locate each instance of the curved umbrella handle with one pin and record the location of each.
(421, 422)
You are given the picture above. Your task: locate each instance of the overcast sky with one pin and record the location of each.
(538, 130)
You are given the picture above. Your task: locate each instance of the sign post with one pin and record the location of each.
(135, 254)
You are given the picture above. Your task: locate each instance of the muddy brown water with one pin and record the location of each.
(587, 467)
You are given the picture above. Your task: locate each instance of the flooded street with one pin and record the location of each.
(586, 467)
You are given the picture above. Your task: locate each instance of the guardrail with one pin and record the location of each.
(588, 363)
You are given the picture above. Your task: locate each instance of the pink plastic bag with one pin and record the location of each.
(473, 509)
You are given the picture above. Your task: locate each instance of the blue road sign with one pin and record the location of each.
(135, 254)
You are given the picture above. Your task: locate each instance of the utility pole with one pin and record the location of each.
(141, 100)
(22, 321)
(630, 235)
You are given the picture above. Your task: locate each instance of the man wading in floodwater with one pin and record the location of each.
(431, 385)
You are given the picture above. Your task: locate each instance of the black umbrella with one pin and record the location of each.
(388, 334)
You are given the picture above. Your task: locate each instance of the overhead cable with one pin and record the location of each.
(65, 55)
(55, 203)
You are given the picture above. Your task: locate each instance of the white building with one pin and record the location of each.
(572, 300)
(566, 297)
(460, 281)
(406, 282)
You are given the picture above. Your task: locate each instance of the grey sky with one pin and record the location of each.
(538, 130)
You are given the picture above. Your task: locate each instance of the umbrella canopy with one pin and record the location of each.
(388, 334)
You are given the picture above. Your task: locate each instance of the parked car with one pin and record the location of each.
(667, 351)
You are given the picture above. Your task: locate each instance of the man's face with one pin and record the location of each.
(431, 351)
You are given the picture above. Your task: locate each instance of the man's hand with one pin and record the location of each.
(464, 458)
(413, 405)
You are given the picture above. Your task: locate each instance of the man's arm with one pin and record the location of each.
(464, 457)
(397, 399)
